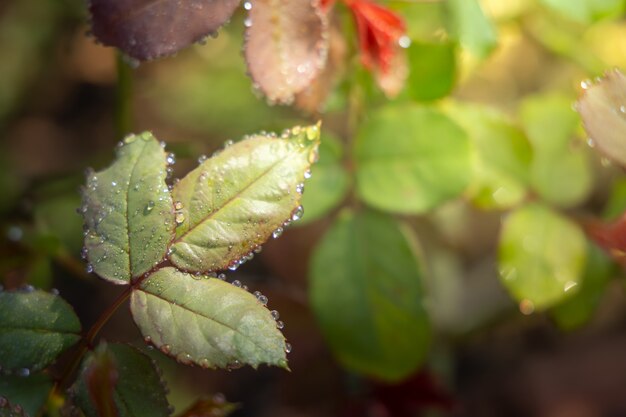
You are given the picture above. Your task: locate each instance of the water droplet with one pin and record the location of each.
(202, 158)
(236, 283)
(307, 174)
(569, 285)
(129, 139)
(178, 205)
(275, 314)
(234, 266)
(24, 372)
(171, 159)
(404, 41)
(148, 207)
(247, 5)
(28, 288)
(166, 349)
(297, 214)
(180, 218)
(276, 234)
(591, 143)
(262, 299)
(622, 109)
(287, 347)
(219, 398)
(280, 325)
(526, 307)
(15, 233)
(606, 162)
(114, 183)
(585, 84)
(222, 277)
(147, 339)
(204, 363)
(300, 188)
(54, 291)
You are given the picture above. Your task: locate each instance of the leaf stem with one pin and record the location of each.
(123, 98)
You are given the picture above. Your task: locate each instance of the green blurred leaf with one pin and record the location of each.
(586, 11)
(328, 184)
(29, 392)
(128, 211)
(410, 159)
(603, 110)
(366, 292)
(471, 27)
(502, 158)
(57, 217)
(236, 200)
(123, 375)
(35, 327)
(560, 172)
(578, 309)
(541, 256)
(206, 321)
(616, 206)
(433, 70)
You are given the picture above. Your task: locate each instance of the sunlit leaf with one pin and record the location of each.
(208, 322)
(148, 29)
(502, 158)
(542, 257)
(433, 70)
(236, 200)
(30, 393)
(603, 110)
(128, 212)
(366, 292)
(119, 380)
(410, 159)
(286, 45)
(586, 11)
(328, 184)
(579, 309)
(471, 27)
(35, 327)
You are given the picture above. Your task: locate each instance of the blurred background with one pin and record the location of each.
(490, 354)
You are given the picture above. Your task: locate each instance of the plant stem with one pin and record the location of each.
(123, 98)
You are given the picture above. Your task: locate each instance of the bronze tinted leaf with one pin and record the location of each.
(286, 45)
(148, 29)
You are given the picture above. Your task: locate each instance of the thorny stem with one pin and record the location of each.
(123, 99)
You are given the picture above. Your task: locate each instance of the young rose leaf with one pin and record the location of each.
(35, 327)
(603, 110)
(410, 159)
(382, 43)
(234, 201)
(30, 393)
(208, 322)
(128, 211)
(286, 45)
(366, 291)
(119, 380)
(541, 257)
(148, 29)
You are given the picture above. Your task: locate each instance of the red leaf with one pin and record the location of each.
(381, 32)
(611, 237)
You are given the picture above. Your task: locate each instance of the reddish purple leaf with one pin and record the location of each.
(286, 45)
(148, 29)
(603, 110)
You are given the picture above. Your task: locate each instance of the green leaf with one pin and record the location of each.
(366, 292)
(603, 110)
(560, 172)
(329, 182)
(207, 322)
(586, 11)
(35, 327)
(616, 205)
(541, 255)
(30, 393)
(471, 27)
(236, 200)
(502, 157)
(410, 159)
(433, 70)
(578, 309)
(122, 379)
(128, 211)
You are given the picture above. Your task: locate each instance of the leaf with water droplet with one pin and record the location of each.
(286, 46)
(213, 322)
(328, 183)
(119, 380)
(149, 29)
(410, 159)
(503, 155)
(120, 219)
(367, 295)
(234, 201)
(35, 327)
(30, 393)
(541, 256)
(600, 108)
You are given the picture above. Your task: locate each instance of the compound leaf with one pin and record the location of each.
(208, 322)
(286, 45)
(366, 290)
(234, 201)
(35, 327)
(411, 159)
(148, 29)
(128, 211)
(119, 380)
